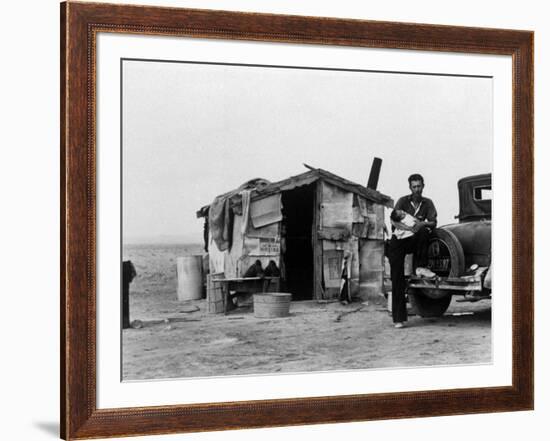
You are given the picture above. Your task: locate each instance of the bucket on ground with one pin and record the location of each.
(272, 304)
(189, 272)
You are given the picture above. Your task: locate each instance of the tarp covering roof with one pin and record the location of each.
(314, 174)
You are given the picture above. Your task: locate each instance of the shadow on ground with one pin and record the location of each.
(49, 427)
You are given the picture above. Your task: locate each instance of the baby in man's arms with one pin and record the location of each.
(404, 223)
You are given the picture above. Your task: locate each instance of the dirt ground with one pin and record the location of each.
(174, 342)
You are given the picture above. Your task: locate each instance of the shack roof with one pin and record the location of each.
(314, 174)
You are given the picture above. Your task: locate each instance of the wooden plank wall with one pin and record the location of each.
(318, 292)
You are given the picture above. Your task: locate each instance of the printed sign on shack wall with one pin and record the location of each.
(262, 246)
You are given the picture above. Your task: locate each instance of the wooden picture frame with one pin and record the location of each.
(81, 23)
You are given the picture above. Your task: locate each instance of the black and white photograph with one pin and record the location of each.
(240, 221)
(294, 218)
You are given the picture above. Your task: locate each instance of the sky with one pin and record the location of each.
(193, 131)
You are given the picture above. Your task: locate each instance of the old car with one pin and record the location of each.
(459, 254)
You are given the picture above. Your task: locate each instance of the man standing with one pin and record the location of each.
(425, 214)
(128, 274)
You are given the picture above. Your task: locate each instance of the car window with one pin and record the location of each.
(483, 193)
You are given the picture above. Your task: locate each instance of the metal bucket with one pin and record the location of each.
(272, 304)
(189, 271)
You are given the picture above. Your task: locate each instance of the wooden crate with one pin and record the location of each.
(214, 294)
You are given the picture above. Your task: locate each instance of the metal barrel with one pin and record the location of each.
(189, 270)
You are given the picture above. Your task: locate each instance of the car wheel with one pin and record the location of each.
(430, 302)
(444, 244)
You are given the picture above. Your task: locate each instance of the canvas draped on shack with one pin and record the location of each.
(220, 222)
(221, 213)
(247, 234)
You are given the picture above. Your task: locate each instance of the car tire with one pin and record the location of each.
(429, 302)
(456, 252)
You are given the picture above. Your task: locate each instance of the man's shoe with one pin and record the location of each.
(399, 325)
(424, 272)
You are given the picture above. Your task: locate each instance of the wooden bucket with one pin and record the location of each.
(272, 304)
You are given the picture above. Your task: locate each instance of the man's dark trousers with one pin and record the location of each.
(398, 249)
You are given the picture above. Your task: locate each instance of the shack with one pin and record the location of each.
(312, 227)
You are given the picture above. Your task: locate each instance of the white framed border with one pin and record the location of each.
(112, 393)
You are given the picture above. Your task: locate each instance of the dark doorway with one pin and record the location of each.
(298, 211)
